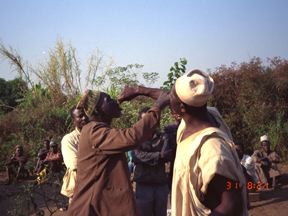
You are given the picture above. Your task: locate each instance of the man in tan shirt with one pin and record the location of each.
(207, 177)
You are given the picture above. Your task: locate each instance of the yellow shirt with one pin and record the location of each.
(195, 166)
(69, 148)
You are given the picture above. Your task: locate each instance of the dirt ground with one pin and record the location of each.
(15, 199)
(273, 202)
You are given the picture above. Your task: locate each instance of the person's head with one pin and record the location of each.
(142, 112)
(99, 105)
(54, 146)
(265, 143)
(42, 154)
(19, 150)
(46, 144)
(190, 93)
(240, 150)
(79, 117)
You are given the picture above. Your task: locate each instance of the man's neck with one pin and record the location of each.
(101, 119)
(197, 124)
(267, 152)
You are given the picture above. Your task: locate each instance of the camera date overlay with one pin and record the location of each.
(250, 186)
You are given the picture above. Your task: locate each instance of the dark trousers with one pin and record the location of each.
(151, 199)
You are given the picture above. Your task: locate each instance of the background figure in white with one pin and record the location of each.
(248, 163)
(69, 148)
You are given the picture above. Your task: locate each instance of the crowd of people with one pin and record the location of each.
(49, 160)
(261, 166)
(101, 161)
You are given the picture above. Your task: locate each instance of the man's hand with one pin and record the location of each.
(128, 93)
(163, 100)
(231, 202)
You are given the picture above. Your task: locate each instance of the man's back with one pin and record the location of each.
(149, 167)
(196, 163)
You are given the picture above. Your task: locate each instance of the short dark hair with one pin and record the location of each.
(19, 146)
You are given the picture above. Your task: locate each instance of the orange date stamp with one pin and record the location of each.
(250, 186)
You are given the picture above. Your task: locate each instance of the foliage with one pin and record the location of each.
(150, 78)
(252, 97)
(176, 71)
(43, 109)
(61, 73)
(16, 62)
(116, 78)
(11, 93)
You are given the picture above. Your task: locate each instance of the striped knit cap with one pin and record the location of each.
(89, 101)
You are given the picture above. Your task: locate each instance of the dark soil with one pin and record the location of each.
(15, 198)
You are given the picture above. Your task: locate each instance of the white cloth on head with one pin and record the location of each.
(194, 88)
(264, 138)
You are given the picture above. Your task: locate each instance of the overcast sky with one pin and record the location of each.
(155, 33)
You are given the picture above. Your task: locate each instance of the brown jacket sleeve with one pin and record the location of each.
(112, 141)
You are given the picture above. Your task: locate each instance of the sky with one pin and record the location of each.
(154, 33)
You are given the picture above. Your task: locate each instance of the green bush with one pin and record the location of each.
(253, 99)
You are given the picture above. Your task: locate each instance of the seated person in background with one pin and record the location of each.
(149, 174)
(46, 147)
(42, 153)
(54, 158)
(15, 166)
(40, 162)
(266, 161)
(247, 163)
